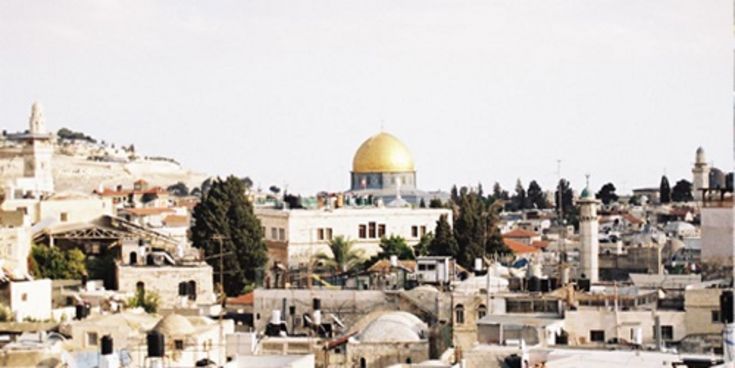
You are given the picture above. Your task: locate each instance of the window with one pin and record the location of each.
(481, 312)
(91, 339)
(597, 335)
(179, 344)
(329, 233)
(281, 234)
(371, 230)
(192, 290)
(363, 363)
(414, 231)
(24, 297)
(381, 230)
(64, 217)
(319, 234)
(274, 233)
(430, 267)
(459, 314)
(667, 333)
(422, 267)
(423, 230)
(716, 316)
(362, 232)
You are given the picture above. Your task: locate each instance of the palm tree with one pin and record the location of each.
(344, 256)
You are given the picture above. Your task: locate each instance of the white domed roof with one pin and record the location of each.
(174, 325)
(394, 327)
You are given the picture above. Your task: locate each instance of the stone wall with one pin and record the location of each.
(164, 281)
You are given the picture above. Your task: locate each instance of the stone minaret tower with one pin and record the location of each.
(700, 174)
(588, 236)
(37, 152)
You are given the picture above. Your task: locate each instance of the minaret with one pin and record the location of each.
(700, 174)
(588, 235)
(37, 152)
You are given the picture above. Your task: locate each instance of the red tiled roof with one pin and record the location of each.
(176, 220)
(245, 299)
(632, 219)
(520, 233)
(146, 211)
(540, 244)
(519, 248)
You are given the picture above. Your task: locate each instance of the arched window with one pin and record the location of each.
(363, 363)
(408, 360)
(140, 287)
(459, 314)
(133, 258)
(481, 311)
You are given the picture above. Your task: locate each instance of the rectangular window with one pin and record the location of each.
(64, 217)
(281, 234)
(381, 230)
(329, 233)
(414, 231)
(362, 232)
(371, 230)
(423, 230)
(597, 335)
(91, 339)
(274, 233)
(667, 333)
(430, 267)
(716, 316)
(422, 267)
(179, 344)
(320, 234)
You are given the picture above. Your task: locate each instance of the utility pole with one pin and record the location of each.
(221, 257)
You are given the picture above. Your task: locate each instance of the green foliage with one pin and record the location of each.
(664, 190)
(55, 264)
(395, 246)
(536, 196)
(147, 300)
(607, 194)
(519, 200)
(6, 315)
(179, 189)
(443, 243)
(344, 256)
(634, 201)
(102, 267)
(436, 203)
(422, 247)
(422, 203)
(225, 211)
(69, 134)
(682, 191)
(475, 229)
(567, 202)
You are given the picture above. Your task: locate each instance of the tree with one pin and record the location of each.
(498, 193)
(344, 256)
(147, 300)
(443, 243)
(536, 196)
(55, 264)
(607, 194)
(565, 202)
(225, 211)
(634, 200)
(292, 201)
(682, 191)
(274, 189)
(436, 203)
(395, 245)
(179, 189)
(422, 247)
(422, 203)
(664, 190)
(519, 198)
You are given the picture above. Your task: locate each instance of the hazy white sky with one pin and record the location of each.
(285, 91)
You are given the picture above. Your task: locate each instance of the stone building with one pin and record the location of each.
(294, 236)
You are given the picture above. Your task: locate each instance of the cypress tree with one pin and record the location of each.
(443, 243)
(225, 211)
(664, 190)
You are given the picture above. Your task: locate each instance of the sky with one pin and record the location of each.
(480, 91)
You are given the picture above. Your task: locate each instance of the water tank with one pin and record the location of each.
(81, 311)
(316, 304)
(583, 285)
(553, 283)
(545, 285)
(106, 345)
(156, 347)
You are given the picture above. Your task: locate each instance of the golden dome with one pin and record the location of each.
(382, 153)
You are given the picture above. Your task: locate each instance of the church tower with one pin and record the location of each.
(700, 174)
(588, 236)
(37, 153)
